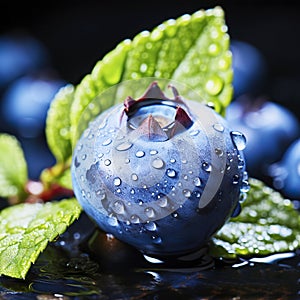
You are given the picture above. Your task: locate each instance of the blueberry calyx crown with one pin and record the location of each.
(157, 124)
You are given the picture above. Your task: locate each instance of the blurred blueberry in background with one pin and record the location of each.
(249, 67)
(20, 53)
(286, 172)
(28, 84)
(269, 128)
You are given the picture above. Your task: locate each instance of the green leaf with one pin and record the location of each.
(26, 229)
(267, 224)
(193, 50)
(13, 167)
(58, 124)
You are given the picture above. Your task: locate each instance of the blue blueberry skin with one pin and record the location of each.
(268, 127)
(165, 197)
(20, 54)
(250, 70)
(26, 102)
(286, 173)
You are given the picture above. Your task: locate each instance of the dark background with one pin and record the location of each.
(79, 33)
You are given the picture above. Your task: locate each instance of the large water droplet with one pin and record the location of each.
(171, 173)
(238, 139)
(157, 163)
(140, 154)
(117, 181)
(162, 201)
(118, 207)
(124, 146)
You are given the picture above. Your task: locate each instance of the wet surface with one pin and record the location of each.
(68, 270)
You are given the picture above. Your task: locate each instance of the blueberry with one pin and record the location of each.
(269, 128)
(161, 174)
(249, 68)
(286, 172)
(20, 54)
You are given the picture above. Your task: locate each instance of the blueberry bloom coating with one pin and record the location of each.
(160, 174)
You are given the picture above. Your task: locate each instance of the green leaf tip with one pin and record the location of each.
(267, 224)
(13, 167)
(26, 229)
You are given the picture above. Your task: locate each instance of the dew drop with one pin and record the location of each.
(245, 187)
(206, 167)
(149, 211)
(158, 163)
(156, 239)
(174, 214)
(118, 207)
(162, 201)
(153, 152)
(219, 152)
(214, 85)
(151, 226)
(218, 127)
(83, 157)
(171, 173)
(107, 162)
(132, 191)
(238, 139)
(134, 177)
(117, 181)
(187, 193)
(140, 154)
(194, 132)
(235, 179)
(172, 160)
(141, 202)
(107, 142)
(124, 146)
(112, 221)
(197, 181)
(127, 161)
(134, 219)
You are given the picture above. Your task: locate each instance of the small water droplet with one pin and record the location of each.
(118, 207)
(117, 181)
(107, 142)
(174, 214)
(151, 226)
(156, 239)
(206, 167)
(140, 154)
(100, 155)
(132, 191)
(143, 68)
(134, 219)
(245, 187)
(235, 179)
(214, 85)
(158, 163)
(238, 139)
(187, 193)
(162, 201)
(153, 152)
(107, 162)
(194, 132)
(149, 211)
(141, 202)
(172, 160)
(83, 157)
(197, 181)
(119, 191)
(171, 173)
(127, 161)
(218, 127)
(124, 146)
(134, 177)
(219, 152)
(184, 161)
(112, 221)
